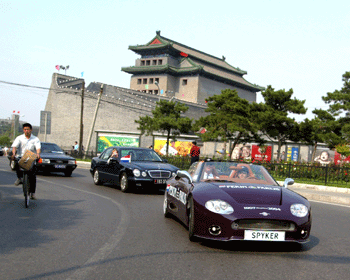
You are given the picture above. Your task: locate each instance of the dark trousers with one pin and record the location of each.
(194, 159)
(31, 176)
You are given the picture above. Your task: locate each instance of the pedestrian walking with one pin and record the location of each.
(194, 152)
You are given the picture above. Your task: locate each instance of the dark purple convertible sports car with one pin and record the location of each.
(236, 201)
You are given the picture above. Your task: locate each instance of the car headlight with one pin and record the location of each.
(144, 174)
(137, 172)
(45, 160)
(299, 210)
(173, 174)
(71, 161)
(219, 206)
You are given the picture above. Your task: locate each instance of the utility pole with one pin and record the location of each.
(94, 120)
(81, 120)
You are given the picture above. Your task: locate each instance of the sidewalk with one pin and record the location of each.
(322, 193)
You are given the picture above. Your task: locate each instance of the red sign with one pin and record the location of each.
(260, 155)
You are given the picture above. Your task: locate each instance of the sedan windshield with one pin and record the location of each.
(233, 172)
(50, 148)
(140, 155)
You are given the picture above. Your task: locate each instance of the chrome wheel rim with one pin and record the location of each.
(123, 182)
(96, 177)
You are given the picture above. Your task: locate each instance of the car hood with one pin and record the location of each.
(151, 165)
(243, 193)
(56, 156)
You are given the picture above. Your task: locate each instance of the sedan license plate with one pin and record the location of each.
(160, 181)
(262, 235)
(60, 166)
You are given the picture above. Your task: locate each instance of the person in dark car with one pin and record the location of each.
(113, 155)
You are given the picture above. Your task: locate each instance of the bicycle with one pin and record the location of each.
(26, 183)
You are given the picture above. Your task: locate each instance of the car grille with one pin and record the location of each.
(159, 174)
(263, 225)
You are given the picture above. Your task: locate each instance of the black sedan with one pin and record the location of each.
(235, 201)
(134, 167)
(53, 159)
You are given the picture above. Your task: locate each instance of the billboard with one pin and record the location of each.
(259, 154)
(178, 147)
(107, 140)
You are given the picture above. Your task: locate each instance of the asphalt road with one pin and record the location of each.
(76, 230)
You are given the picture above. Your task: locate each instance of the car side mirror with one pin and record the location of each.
(288, 182)
(184, 174)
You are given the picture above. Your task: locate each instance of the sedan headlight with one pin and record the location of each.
(72, 161)
(144, 174)
(299, 210)
(45, 160)
(136, 172)
(219, 206)
(173, 174)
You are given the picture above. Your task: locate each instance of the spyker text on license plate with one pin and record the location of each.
(264, 235)
(160, 181)
(60, 166)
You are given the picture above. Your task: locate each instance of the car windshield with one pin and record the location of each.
(50, 148)
(139, 155)
(232, 172)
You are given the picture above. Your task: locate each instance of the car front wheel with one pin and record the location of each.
(191, 222)
(97, 179)
(165, 206)
(124, 184)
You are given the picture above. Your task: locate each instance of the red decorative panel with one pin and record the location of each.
(155, 42)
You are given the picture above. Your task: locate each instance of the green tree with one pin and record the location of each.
(231, 117)
(166, 119)
(5, 140)
(339, 105)
(275, 123)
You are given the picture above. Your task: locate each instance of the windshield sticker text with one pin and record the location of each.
(249, 187)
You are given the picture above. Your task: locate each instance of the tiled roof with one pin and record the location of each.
(201, 61)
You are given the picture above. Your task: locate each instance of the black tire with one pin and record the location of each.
(165, 206)
(124, 183)
(68, 173)
(96, 177)
(191, 223)
(26, 189)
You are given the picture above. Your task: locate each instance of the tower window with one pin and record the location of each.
(151, 80)
(148, 62)
(139, 81)
(142, 63)
(144, 81)
(184, 82)
(160, 62)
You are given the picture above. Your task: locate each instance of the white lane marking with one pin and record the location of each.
(109, 246)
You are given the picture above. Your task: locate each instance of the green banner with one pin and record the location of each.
(105, 141)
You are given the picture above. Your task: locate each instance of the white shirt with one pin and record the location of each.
(22, 143)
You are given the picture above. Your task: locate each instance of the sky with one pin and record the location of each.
(299, 45)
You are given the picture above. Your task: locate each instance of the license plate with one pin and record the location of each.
(60, 166)
(262, 235)
(160, 181)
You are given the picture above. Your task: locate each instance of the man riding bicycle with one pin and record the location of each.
(22, 143)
